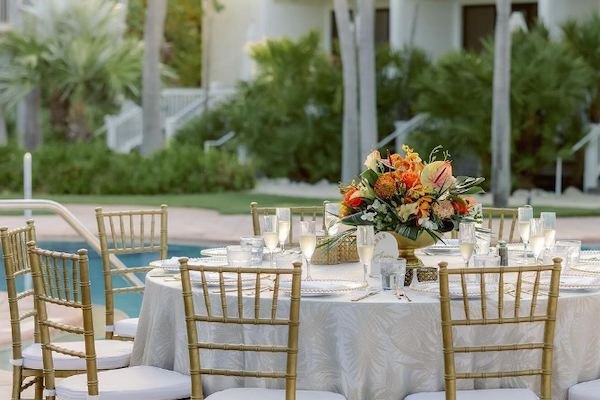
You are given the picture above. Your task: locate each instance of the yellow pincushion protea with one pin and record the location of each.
(386, 186)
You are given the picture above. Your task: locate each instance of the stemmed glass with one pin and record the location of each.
(332, 220)
(284, 216)
(525, 215)
(466, 240)
(269, 233)
(536, 237)
(308, 243)
(365, 244)
(549, 228)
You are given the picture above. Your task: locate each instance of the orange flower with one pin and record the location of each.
(424, 207)
(410, 179)
(352, 202)
(415, 192)
(461, 206)
(386, 186)
(345, 210)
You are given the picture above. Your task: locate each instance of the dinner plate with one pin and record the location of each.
(212, 278)
(449, 246)
(455, 288)
(587, 268)
(568, 282)
(323, 287)
(222, 251)
(172, 264)
(590, 256)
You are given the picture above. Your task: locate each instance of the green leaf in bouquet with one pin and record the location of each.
(411, 232)
(371, 176)
(356, 219)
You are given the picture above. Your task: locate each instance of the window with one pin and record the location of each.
(480, 21)
(382, 26)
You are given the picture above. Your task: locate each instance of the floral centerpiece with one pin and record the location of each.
(415, 200)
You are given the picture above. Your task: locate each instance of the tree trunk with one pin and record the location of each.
(501, 125)
(32, 137)
(350, 139)
(59, 112)
(78, 128)
(368, 97)
(154, 27)
(207, 19)
(3, 133)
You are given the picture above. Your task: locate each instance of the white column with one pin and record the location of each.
(396, 9)
(547, 15)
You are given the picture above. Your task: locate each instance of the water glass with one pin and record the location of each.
(257, 244)
(557, 252)
(486, 261)
(393, 273)
(573, 249)
(287, 259)
(239, 256)
(483, 240)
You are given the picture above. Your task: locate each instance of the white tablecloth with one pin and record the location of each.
(380, 348)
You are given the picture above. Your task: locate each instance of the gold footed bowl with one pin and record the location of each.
(406, 250)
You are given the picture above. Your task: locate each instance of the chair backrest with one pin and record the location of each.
(16, 264)
(548, 318)
(63, 279)
(312, 212)
(237, 316)
(504, 214)
(128, 232)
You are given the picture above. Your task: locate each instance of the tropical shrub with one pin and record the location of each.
(92, 168)
(548, 85)
(76, 53)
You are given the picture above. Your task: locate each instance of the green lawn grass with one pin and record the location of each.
(234, 202)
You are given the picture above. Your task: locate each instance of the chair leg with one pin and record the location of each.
(39, 388)
(17, 382)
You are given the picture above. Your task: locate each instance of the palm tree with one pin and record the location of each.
(350, 138)
(366, 61)
(501, 126)
(74, 55)
(3, 133)
(156, 14)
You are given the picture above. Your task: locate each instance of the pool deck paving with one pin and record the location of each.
(199, 226)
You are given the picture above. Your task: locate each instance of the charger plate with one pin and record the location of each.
(212, 278)
(455, 287)
(569, 282)
(323, 287)
(449, 247)
(590, 256)
(172, 264)
(222, 251)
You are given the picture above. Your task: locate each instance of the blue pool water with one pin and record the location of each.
(129, 303)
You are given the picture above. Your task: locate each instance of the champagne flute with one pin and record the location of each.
(332, 220)
(284, 216)
(365, 244)
(549, 228)
(525, 215)
(308, 243)
(466, 240)
(269, 233)
(536, 237)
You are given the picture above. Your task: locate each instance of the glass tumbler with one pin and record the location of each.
(393, 273)
(239, 256)
(257, 244)
(486, 261)
(573, 248)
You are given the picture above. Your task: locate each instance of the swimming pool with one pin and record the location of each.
(128, 303)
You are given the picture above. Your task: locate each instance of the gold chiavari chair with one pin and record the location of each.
(546, 345)
(252, 317)
(312, 212)
(505, 215)
(63, 280)
(16, 264)
(128, 232)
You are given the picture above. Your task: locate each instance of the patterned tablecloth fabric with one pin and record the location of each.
(380, 348)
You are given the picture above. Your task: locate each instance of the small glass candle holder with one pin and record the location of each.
(573, 248)
(487, 261)
(239, 256)
(257, 244)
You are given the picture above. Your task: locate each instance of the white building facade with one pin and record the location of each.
(439, 25)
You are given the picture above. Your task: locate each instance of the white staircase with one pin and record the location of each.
(179, 106)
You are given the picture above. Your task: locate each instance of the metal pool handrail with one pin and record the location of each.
(89, 237)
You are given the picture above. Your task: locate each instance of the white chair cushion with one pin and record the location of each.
(126, 327)
(585, 391)
(134, 383)
(483, 394)
(270, 394)
(110, 354)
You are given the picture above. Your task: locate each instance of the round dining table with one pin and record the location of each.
(379, 348)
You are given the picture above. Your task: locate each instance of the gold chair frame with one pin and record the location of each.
(51, 285)
(513, 213)
(313, 211)
(16, 263)
(192, 318)
(124, 240)
(548, 318)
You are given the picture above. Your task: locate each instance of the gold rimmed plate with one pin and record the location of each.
(323, 287)
(172, 264)
(212, 278)
(222, 252)
(456, 290)
(571, 282)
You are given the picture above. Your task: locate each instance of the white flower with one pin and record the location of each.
(427, 224)
(371, 161)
